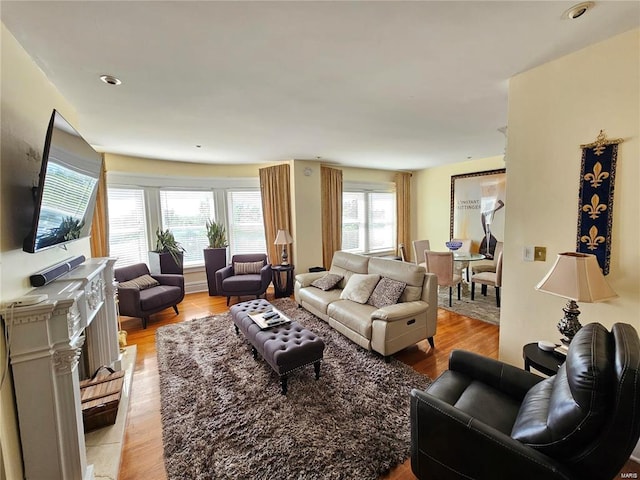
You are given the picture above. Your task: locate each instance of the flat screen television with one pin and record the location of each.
(66, 194)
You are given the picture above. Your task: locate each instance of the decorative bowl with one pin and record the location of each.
(453, 245)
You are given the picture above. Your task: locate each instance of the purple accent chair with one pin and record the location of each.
(231, 285)
(142, 303)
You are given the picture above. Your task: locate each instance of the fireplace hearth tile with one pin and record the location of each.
(104, 446)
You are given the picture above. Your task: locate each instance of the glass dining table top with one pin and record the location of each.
(467, 256)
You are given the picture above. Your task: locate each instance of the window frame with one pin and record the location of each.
(368, 188)
(153, 184)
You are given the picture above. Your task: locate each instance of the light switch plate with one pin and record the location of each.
(528, 253)
(540, 254)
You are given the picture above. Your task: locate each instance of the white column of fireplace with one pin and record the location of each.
(45, 345)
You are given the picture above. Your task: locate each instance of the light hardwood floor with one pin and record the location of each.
(142, 453)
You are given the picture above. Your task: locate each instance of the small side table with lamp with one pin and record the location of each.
(283, 287)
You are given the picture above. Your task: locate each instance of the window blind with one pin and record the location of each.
(185, 213)
(246, 226)
(127, 226)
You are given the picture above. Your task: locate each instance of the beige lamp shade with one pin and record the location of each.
(577, 276)
(283, 238)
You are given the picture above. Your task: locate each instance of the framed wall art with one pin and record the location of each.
(478, 209)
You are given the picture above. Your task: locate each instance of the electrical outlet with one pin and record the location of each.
(540, 254)
(528, 253)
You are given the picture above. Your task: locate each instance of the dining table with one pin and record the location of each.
(461, 262)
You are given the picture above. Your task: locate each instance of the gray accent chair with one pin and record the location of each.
(231, 285)
(134, 302)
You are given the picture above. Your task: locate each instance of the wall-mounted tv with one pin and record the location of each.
(66, 194)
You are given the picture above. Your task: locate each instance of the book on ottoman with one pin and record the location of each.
(270, 318)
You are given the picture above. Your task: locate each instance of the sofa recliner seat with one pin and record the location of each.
(505, 422)
(385, 330)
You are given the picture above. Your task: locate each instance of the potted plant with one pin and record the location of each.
(168, 255)
(215, 255)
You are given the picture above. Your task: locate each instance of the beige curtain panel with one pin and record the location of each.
(403, 208)
(275, 189)
(331, 198)
(100, 224)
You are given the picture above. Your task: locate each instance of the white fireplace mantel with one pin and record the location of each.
(45, 345)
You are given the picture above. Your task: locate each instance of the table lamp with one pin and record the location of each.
(283, 238)
(578, 278)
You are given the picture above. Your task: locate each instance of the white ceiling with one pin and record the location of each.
(392, 85)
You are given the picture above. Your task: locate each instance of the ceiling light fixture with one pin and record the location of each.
(110, 80)
(578, 10)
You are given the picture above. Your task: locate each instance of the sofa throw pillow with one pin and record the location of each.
(141, 283)
(246, 268)
(387, 292)
(329, 281)
(359, 287)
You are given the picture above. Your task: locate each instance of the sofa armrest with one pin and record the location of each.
(399, 311)
(436, 425)
(305, 279)
(225, 272)
(128, 301)
(221, 274)
(172, 279)
(506, 378)
(266, 275)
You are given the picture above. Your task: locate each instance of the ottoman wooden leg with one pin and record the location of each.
(255, 352)
(283, 383)
(316, 367)
(237, 330)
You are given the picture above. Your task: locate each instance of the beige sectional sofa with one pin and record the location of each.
(387, 329)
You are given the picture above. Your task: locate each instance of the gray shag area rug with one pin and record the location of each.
(223, 416)
(481, 308)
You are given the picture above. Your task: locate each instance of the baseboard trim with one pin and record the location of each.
(195, 287)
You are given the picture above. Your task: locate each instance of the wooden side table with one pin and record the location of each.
(543, 361)
(283, 288)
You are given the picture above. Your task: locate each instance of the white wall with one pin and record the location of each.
(553, 109)
(306, 215)
(28, 99)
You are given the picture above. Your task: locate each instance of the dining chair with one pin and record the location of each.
(419, 246)
(489, 278)
(488, 267)
(441, 263)
(402, 252)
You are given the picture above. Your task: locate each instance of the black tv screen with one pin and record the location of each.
(66, 194)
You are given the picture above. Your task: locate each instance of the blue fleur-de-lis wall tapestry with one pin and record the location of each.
(595, 201)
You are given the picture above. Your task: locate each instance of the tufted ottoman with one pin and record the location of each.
(285, 347)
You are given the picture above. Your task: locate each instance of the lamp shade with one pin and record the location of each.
(283, 238)
(577, 276)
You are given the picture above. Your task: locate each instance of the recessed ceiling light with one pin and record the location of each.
(110, 80)
(578, 10)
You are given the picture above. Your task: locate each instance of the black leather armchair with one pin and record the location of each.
(142, 301)
(483, 419)
(232, 283)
